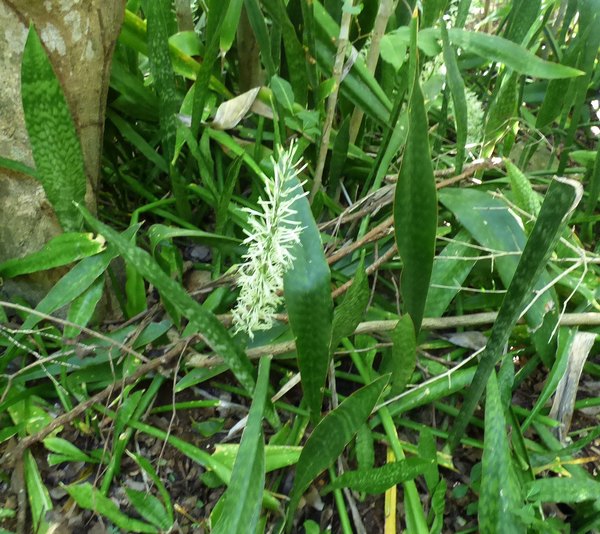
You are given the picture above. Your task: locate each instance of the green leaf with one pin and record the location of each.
(54, 142)
(565, 339)
(283, 93)
(89, 498)
(62, 250)
(415, 210)
(404, 354)
(202, 320)
(330, 437)
(276, 456)
(514, 56)
(450, 269)
(66, 450)
(380, 479)
(151, 472)
(339, 155)
(457, 90)
(259, 27)
(39, 498)
(73, 284)
(159, 16)
(161, 232)
(230, 24)
(525, 197)
(499, 495)
(242, 500)
(350, 312)
(309, 304)
(294, 53)
(17, 166)
(83, 307)
(150, 508)
(494, 227)
(359, 86)
(502, 111)
(561, 199)
(564, 489)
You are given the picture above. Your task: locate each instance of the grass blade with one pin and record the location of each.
(331, 436)
(39, 498)
(562, 197)
(54, 141)
(243, 498)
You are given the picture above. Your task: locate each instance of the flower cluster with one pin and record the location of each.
(273, 231)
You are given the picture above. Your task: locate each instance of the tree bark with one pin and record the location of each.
(79, 37)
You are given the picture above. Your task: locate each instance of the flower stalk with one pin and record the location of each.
(272, 234)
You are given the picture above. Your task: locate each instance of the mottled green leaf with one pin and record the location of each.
(310, 306)
(149, 507)
(564, 489)
(380, 479)
(457, 90)
(404, 354)
(499, 495)
(561, 199)
(204, 321)
(54, 141)
(83, 307)
(415, 210)
(514, 56)
(89, 498)
(350, 312)
(330, 437)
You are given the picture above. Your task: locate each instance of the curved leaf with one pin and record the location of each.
(63, 249)
(330, 437)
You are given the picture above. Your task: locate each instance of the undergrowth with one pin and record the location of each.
(342, 276)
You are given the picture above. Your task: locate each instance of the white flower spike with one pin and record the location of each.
(272, 234)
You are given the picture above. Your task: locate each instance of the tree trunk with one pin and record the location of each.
(79, 37)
